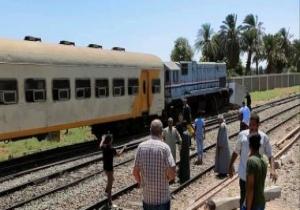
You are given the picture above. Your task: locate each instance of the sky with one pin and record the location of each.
(149, 26)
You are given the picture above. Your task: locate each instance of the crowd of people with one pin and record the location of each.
(155, 162)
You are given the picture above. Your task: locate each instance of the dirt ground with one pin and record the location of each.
(288, 180)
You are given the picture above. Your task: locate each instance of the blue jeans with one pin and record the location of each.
(199, 142)
(254, 208)
(164, 206)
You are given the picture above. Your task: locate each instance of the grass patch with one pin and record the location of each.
(259, 96)
(32, 145)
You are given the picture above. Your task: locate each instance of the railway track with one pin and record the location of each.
(204, 169)
(30, 163)
(287, 141)
(88, 176)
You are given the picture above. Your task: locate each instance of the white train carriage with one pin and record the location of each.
(50, 87)
(203, 84)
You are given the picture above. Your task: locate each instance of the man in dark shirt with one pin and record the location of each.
(186, 110)
(187, 117)
(248, 100)
(108, 158)
(256, 176)
(184, 164)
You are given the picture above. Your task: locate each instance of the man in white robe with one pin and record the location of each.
(222, 159)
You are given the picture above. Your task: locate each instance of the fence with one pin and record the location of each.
(267, 81)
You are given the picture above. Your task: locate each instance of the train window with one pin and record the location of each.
(156, 86)
(184, 69)
(61, 89)
(133, 86)
(167, 76)
(83, 88)
(8, 91)
(175, 76)
(101, 88)
(35, 90)
(118, 87)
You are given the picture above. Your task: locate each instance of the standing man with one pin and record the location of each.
(242, 149)
(222, 150)
(179, 125)
(171, 137)
(200, 136)
(154, 168)
(248, 100)
(184, 164)
(244, 117)
(187, 116)
(256, 176)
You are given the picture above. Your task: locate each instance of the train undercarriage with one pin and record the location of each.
(210, 103)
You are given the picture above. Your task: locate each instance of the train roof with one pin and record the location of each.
(29, 52)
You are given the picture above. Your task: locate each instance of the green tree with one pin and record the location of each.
(219, 50)
(205, 44)
(230, 40)
(294, 60)
(182, 50)
(273, 53)
(251, 40)
(247, 45)
(286, 45)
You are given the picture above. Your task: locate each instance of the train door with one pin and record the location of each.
(145, 83)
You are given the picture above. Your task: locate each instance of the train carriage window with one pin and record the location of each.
(35, 90)
(8, 91)
(175, 76)
(133, 86)
(156, 86)
(184, 69)
(118, 87)
(61, 89)
(101, 88)
(83, 88)
(167, 76)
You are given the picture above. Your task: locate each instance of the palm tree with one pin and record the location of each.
(230, 36)
(285, 39)
(219, 50)
(285, 43)
(274, 54)
(296, 46)
(252, 39)
(247, 45)
(204, 43)
(294, 59)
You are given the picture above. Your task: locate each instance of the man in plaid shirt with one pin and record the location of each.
(154, 168)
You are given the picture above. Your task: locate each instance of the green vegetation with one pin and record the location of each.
(275, 93)
(280, 53)
(28, 146)
(182, 50)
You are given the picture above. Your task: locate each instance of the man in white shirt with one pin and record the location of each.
(244, 117)
(242, 149)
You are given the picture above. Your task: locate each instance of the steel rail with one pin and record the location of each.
(58, 173)
(200, 200)
(8, 168)
(125, 190)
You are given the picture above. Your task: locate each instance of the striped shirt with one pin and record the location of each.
(153, 158)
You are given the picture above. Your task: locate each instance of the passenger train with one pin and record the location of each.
(50, 87)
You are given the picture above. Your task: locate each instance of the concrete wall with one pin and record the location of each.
(267, 81)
